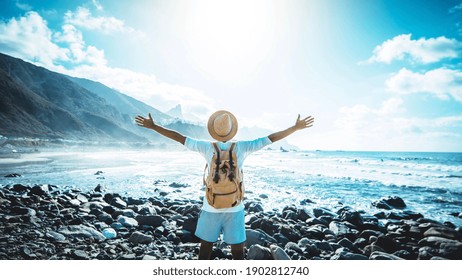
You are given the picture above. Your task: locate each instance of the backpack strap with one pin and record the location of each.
(203, 177)
(216, 176)
(231, 162)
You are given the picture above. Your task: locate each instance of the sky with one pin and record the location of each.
(376, 75)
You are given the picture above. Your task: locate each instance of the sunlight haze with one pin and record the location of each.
(376, 75)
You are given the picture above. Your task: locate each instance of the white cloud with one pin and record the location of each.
(82, 17)
(365, 128)
(361, 116)
(29, 38)
(23, 6)
(97, 5)
(442, 82)
(421, 50)
(78, 52)
(456, 9)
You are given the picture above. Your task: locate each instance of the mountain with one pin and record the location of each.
(176, 112)
(126, 105)
(36, 102)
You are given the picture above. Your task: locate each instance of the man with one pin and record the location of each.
(222, 126)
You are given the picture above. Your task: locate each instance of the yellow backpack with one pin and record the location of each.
(224, 185)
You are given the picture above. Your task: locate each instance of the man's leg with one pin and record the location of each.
(206, 250)
(238, 251)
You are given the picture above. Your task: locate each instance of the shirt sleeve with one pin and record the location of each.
(248, 147)
(201, 146)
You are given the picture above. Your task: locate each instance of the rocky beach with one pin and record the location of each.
(46, 222)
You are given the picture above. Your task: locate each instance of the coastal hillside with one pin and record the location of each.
(36, 102)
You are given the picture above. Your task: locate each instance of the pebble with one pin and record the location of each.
(258, 252)
(109, 233)
(140, 238)
(127, 221)
(46, 222)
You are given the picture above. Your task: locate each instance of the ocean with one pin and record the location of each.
(429, 183)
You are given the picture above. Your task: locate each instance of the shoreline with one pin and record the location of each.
(49, 223)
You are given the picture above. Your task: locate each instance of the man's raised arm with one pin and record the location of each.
(149, 123)
(299, 124)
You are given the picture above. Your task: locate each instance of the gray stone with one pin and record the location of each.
(278, 253)
(342, 255)
(39, 190)
(444, 232)
(258, 252)
(318, 212)
(82, 198)
(257, 237)
(105, 218)
(294, 247)
(146, 209)
(339, 229)
(387, 243)
(81, 231)
(366, 234)
(92, 205)
(151, 220)
(123, 212)
(55, 236)
(118, 202)
(99, 188)
(109, 233)
(18, 210)
(323, 246)
(20, 188)
(377, 255)
(444, 247)
(117, 225)
(389, 203)
(314, 232)
(140, 238)
(27, 253)
(127, 257)
(127, 222)
(79, 255)
(74, 202)
(349, 245)
(351, 216)
(254, 208)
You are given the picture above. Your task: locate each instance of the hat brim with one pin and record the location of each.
(212, 132)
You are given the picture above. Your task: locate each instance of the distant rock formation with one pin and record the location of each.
(176, 112)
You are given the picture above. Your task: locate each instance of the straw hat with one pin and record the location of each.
(222, 125)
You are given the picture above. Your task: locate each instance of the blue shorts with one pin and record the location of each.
(231, 224)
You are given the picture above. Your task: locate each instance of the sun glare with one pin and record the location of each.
(229, 40)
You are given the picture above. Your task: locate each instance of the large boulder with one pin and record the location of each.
(81, 231)
(150, 220)
(278, 253)
(140, 238)
(258, 252)
(443, 247)
(257, 237)
(389, 203)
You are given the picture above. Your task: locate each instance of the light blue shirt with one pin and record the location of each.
(242, 149)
